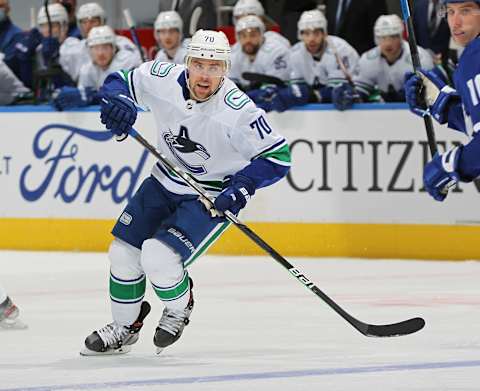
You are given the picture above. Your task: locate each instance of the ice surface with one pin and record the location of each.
(254, 327)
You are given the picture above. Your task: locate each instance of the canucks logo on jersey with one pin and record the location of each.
(182, 144)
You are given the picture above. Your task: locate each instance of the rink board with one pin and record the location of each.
(355, 188)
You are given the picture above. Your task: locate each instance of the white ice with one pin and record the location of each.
(254, 327)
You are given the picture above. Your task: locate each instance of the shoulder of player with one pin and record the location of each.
(471, 51)
(273, 46)
(370, 55)
(233, 102)
(124, 43)
(340, 44)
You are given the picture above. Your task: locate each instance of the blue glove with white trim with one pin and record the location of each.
(438, 94)
(440, 174)
(118, 113)
(236, 195)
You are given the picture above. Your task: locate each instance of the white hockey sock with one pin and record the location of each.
(165, 271)
(127, 282)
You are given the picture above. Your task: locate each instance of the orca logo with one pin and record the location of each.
(182, 144)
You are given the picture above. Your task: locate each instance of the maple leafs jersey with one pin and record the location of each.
(211, 140)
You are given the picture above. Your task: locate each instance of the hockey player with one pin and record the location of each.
(105, 59)
(457, 107)
(211, 129)
(9, 313)
(38, 51)
(169, 36)
(74, 53)
(381, 70)
(317, 64)
(254, 7)
(259, 54)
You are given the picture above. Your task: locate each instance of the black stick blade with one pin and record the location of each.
(406, 327)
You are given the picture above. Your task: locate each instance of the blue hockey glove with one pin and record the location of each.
(438, 94)
(343, 96)
(236, 195)
(118, 113)
(70, 97)
(441, 173)
(295, 94)
(263, 94)
(50, 48)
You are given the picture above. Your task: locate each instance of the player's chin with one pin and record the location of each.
(203, 91)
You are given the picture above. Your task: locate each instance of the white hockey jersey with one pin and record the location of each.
(74, 53)
(209, 140)
(326, 70)
(375, 73)
(92, 75)
(272, 59)
(179, 57)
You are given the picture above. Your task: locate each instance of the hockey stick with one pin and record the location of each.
(389, 330)
(412, 42)
(261, 78)
(133, 31)
(344, 70)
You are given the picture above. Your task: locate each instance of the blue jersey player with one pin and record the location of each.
(211, 129)
(459, 107)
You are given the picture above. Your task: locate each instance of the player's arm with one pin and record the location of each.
(123, 91)
(269, 164)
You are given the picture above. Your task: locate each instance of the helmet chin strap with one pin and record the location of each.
(195, 97)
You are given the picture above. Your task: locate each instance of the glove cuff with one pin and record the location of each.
(244, 181)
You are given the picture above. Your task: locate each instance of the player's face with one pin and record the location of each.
(313, 40)
(168, 39)
(464, 21)
(250, 40)
(58, 31)
(102, 55)
(89, 23)
(204, 76)
(390, 46)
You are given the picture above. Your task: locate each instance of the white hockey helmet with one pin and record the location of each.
(248, 7)
(90, 11)
(57, 13)
(249, 22)
(311, 20)
(168, 20)
(101, 35)
(209, 45)
(387, 25)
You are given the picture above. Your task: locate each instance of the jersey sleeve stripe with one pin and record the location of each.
(131, 86)
(280, 156)
(277, 145)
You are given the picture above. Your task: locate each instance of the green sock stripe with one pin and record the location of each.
(207, 242)
(174, 292)
(127, 290)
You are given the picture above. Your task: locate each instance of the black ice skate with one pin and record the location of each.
(171, 325)
(115, 338)
(9, 319)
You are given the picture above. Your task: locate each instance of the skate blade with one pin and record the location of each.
(17, 324)
(123, 350)
(158, 351)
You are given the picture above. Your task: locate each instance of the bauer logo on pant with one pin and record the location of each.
(125, 218)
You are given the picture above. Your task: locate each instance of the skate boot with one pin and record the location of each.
(9, 319)
(171, 325)
(115, 338)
